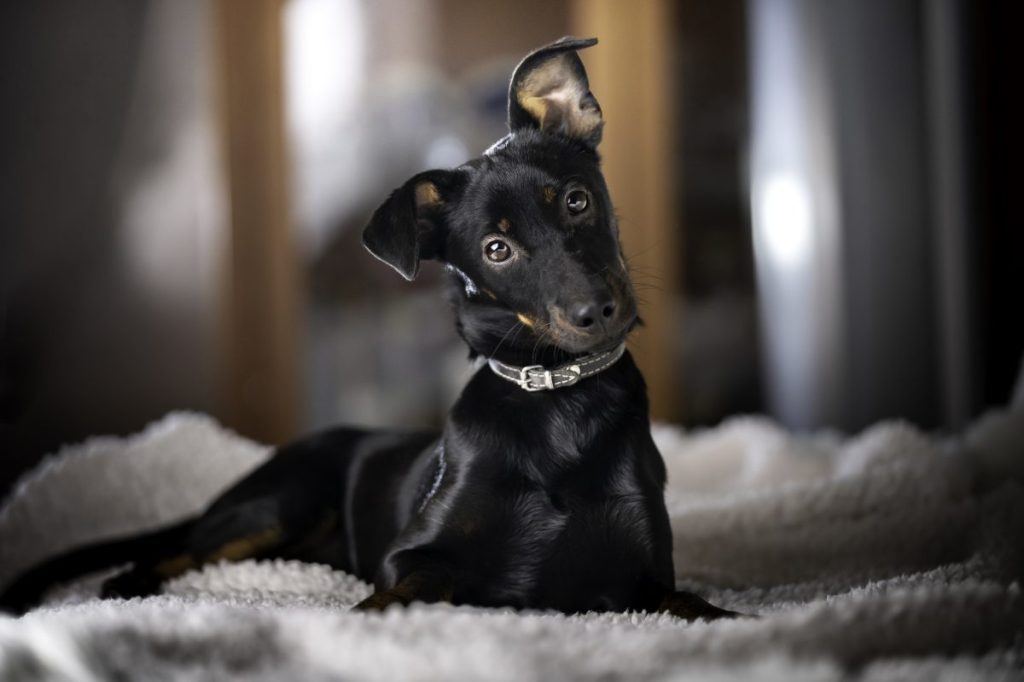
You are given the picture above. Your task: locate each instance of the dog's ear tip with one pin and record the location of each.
(408, 268)
(549, 91)
(574, 42)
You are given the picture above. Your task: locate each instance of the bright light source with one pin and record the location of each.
(785, 219)
(324, 60)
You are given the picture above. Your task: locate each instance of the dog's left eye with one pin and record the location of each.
(497, 251)
(576, 201)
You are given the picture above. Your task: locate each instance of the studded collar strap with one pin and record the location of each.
(539, 378)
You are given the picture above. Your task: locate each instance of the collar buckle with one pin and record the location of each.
(535, 378)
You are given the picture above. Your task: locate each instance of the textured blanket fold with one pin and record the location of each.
(892, 554)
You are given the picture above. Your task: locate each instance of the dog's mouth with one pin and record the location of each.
(584, 347)
(609, 345)
(571, 339)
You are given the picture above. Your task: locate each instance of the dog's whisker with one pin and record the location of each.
(639, 271)
(543, 336)
(516, 328)
(649, 274)
(636, 254)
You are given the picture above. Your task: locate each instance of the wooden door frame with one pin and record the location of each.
(261, 320)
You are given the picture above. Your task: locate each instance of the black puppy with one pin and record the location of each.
(545, 489)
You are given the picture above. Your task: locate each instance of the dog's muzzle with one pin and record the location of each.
(539, 378)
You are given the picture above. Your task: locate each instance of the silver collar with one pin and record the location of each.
(537, 378)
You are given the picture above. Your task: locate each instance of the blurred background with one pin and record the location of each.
(816, 197)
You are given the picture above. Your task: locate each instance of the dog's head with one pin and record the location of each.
(527, 229)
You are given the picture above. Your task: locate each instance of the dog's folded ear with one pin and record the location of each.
(410, 225)
(550, 92)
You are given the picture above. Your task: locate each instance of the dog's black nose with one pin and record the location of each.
(596, 312)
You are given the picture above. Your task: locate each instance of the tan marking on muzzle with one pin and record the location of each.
(525, 320)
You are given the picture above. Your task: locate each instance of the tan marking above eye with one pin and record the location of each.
(549, 194)
(504, 225)
(525, 320)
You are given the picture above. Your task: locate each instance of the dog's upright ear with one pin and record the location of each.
(410, 225)
(550, 92)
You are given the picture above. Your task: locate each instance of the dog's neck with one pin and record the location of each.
(546, 434)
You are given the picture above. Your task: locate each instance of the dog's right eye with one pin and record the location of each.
(497, 251)
(576, 201)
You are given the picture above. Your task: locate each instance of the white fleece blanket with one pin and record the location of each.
(889, 555)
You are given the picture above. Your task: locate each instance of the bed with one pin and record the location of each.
(890, 554)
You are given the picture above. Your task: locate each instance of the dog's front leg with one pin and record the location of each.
(424, 586)
(691, 607)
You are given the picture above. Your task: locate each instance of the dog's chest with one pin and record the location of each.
(555, 504)
(562, 551)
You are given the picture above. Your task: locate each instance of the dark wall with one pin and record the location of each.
(85, 347)
(995, 118)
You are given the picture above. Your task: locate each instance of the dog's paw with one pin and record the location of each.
(691, 607)
(378, 601)
(131, 583)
